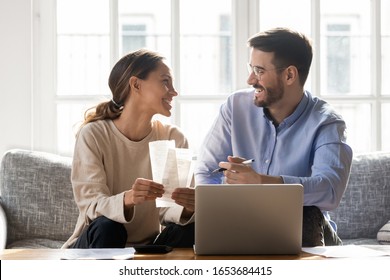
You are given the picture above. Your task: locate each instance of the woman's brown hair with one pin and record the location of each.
(139, 64)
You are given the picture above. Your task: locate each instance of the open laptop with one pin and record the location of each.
(248, 219)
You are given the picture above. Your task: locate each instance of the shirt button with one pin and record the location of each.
(267, 161)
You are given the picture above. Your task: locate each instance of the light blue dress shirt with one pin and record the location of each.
(308, 147)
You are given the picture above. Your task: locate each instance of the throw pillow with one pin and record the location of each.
(383, 236)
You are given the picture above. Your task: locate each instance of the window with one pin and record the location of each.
(200, 56)
(338, 61)
(384, 57)
(345, 54)
(205, 44)
(133, 37)
(83, 48)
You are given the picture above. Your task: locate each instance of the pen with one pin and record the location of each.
(223, 169)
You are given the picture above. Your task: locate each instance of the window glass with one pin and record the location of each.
(292, 15)
(345, 47)
(196, 119)
(205, 47)
(69, 118)
(385, 28)
(385, 127)
(285, 13)
(82, 17)
(144, 24)
(358, 120)
(82, 47)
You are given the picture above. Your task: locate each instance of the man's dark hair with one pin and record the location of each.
(289, 48)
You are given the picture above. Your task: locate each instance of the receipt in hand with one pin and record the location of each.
(172, 167)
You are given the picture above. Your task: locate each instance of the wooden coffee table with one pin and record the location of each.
(176, 254)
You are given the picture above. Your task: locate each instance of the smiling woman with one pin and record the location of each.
(111, 171)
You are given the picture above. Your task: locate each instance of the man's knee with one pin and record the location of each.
(312, 227)
(317, 231)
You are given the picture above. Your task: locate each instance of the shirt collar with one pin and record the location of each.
(295, 115)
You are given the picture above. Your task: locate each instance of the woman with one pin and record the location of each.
(111, 171)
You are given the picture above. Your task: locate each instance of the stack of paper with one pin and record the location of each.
(172, 167)
(98, 254)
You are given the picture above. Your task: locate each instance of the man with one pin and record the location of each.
(292, 136)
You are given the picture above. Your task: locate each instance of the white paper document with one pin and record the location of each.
(346, 251)
(172, 167)
(99, 254)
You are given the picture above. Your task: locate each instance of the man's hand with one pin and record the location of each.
(238, 173)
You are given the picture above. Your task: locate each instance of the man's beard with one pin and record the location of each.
(273, 95)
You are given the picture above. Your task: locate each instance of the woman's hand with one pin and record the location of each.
(143, 190)
(186, 198)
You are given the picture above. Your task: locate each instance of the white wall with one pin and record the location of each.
(15, 75)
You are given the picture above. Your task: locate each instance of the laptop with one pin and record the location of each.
(248, 219)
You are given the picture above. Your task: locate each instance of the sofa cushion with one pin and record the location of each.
(365, 206)
(36, 243)
(360, 241)
(37, 196)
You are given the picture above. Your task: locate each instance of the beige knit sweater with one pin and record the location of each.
(105, 165)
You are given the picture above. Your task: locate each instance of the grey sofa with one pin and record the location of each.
(38, 211)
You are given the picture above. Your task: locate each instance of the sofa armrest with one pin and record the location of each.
(37, 196)
(3, 229)
(365, 206)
